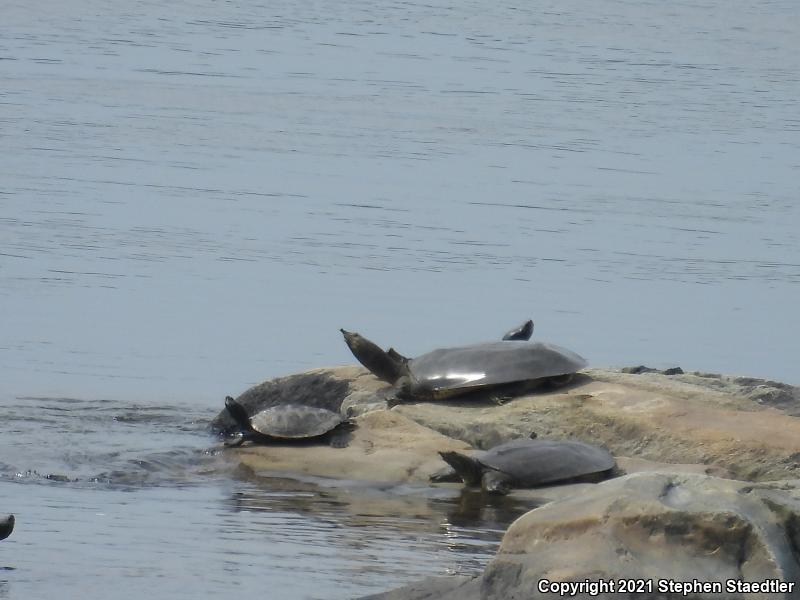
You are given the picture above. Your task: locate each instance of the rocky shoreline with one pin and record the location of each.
(709, 488)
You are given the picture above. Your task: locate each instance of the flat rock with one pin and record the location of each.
(385, 447)
(738, 427)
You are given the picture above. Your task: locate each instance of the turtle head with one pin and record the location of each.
(237, 413)
(469, 469)
(384, 365)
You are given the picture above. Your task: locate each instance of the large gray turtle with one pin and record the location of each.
(526, 463)
(287, 422)
(508, 367)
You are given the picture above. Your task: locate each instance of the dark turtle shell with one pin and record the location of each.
(295, 421)
(448, 371)
(540, 462)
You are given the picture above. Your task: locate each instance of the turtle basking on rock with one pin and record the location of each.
(295, 407)
(527, 463)
(287, 422)
(505, 368)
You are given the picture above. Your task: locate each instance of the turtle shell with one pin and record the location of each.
(539, 462)
(493, 363)
(315, 389)
(295, 421)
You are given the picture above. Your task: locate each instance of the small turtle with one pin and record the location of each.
(6, 526)
(316, 389)
(504, 368)
(527, 463)
(287, 422)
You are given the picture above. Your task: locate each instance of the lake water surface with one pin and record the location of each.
(195, 196)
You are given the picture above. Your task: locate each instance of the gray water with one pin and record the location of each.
(196, 195)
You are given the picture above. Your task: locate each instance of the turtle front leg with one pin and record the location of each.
(235, 441)
(495, 482)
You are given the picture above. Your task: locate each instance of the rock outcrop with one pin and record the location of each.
(741, 427)
(712, 492)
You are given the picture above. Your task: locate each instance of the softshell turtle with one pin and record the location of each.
(508, 367)
(526, 463)
(6, 526)
(287, 422)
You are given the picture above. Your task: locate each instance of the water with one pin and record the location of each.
(196, 195)
(120, 500)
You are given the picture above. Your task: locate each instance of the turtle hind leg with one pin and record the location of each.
(340, 436)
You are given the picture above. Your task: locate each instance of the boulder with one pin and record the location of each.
(662, 529)
(656, 527)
